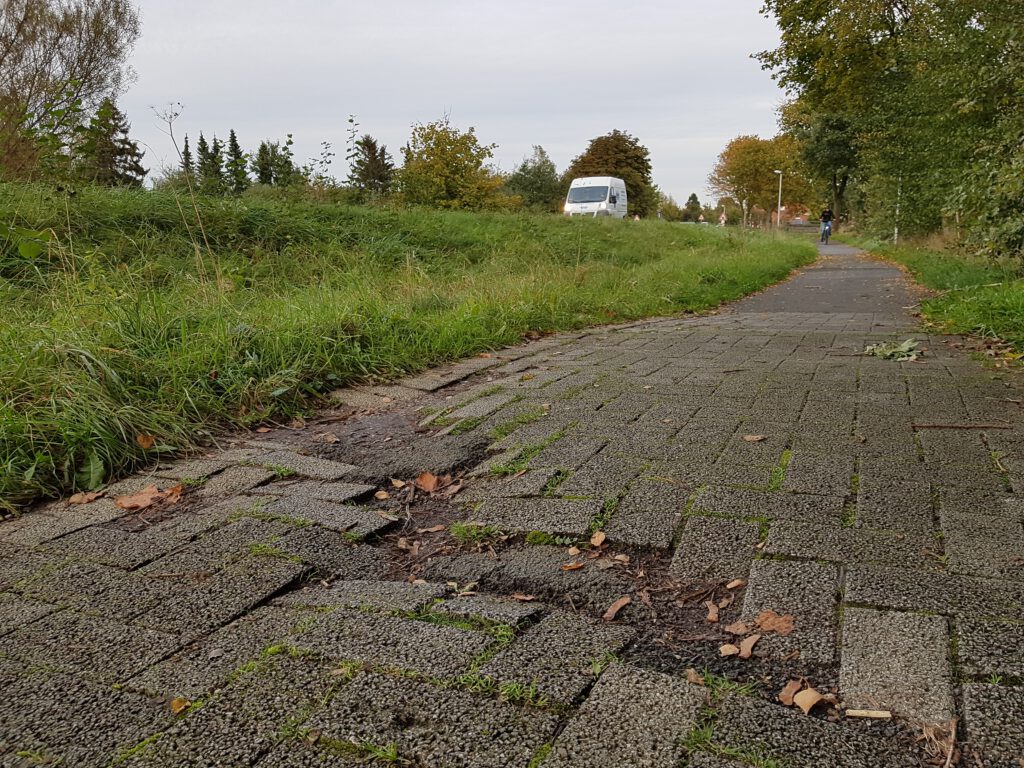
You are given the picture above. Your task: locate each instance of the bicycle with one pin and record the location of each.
(826, 231)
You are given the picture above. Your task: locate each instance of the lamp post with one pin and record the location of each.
(778, 210)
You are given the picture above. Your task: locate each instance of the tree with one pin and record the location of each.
(105, 153)
(745, 171)
(188, 166)
(536, 180)
(447, 168)
(620, 155)
(59, 59)
(210, 165)
(372, 171)
(236, 165)
(273, 164)
(669, 208)
(692, 209)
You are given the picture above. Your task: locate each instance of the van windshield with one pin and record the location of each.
(588, 194)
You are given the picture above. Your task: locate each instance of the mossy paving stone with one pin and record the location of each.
(430, 726)
(305, 466)
(345, 518)
(217, 548)
(331, 555)
(489, 608)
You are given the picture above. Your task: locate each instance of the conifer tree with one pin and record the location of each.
(106, 153)
(188, 166)
(210, 165)
(372, 169)
(236, 164)
(263, 164)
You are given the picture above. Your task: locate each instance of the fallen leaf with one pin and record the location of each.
(598, 539)
(381, 495)
(754, 438)
(574, 566)
(807, 699)
(328, 437)
(179, 705)
(726, 601)
(215, 653)
(728, 650)
(451, 490)
(524, 598)
(387, 515)
(173, 494)
(712, 611)
(736, 584)
(297, 423)
(144, 498)
(624, 559)
(877, 714)
(792, 689)
(85, 497)
(263, 430)
(427, 482)
(737, 628)
(617, 606)
(435, 529)
(397, 483)
(573, 551)
(695, 677)
(770, 621)
(747, 646)
(145, 442)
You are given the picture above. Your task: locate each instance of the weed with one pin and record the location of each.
(778, 476)
(599, 665)
(544, 538)
(507, 428)
(130, 752)
(517, 693)
(474, 534)
(467, 425)
(556, 480)
(719, 685)
(540, 756)
(263, 549)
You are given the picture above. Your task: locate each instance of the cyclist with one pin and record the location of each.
(826, 224)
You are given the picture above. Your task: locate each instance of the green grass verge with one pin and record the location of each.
(976, 296)
(138, 318)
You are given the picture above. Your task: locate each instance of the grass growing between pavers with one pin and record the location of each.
(977, 296)
(133, 322)
(702, 740)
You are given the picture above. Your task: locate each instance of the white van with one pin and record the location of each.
(597, 196)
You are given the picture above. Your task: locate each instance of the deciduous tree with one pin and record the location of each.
(536, 180)
(620, 155)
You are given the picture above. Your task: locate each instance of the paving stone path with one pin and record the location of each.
(286, 613)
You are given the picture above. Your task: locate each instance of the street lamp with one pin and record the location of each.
(778, 210)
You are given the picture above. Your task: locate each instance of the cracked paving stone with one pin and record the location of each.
(850, 545)
(487, 608)
(396, 596)
(808, 592)
(988, 647)
(312, 489)
(774, 505)
(556, 516)
(429, 726)
(561, 656)
(388, 641)
(992, 718)
(713, 549)
(234, 480)
(100, 649)
(631, 717)
(898, 662)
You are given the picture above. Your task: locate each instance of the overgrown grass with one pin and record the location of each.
(976, 295)
(137, 321)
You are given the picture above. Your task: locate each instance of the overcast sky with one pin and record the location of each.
(677, 74)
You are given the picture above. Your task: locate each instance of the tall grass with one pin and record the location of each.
(129, 325)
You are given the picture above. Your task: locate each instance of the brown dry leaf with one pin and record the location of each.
(397, 483)
(427, 482)
(792, 689)
(754, 438)
(726, 601)
(624, 559)
(574, 566)
(728, 650)
(412, 547)
(695, 677)
(770, 621)
(737, 628)
(712, 611)
(807, 699)
(573, 551)
(328, 437)
(144, 498)
(451, 490)
(615, 607)
(381, 495)
(736, 584)
(747, 646)
(179, 705)
(173, 494)
(263, 430)
(524, 598)
(597, 539)
(85, 497)
(297, 423)
(434, 529)
(145, 442)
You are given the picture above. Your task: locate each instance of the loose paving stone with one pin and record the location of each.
(487, 608)
(359, 521)
(806, 591)
(992, 717)
(16, 611)
(649, 513)
(750, 725)
(849, 545)
(100, 649)
(530, 483)
(631, 717)
(95, 589)
(713, 549)
(202, 467)
(561, 656)
(113, 546)
(218, 548)
(337, 493)
(392, 596)
(447, 729)
(987, 647)
(18, 565)
(388, 641)
(773, 505)
(299, 753)
(948, 594)
(898, 662)
(332, 555)
(234, 480)
(305, 466)
(556, 516)
(482, 406)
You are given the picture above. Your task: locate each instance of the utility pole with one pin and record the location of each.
(899, 198)
(778, 210)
